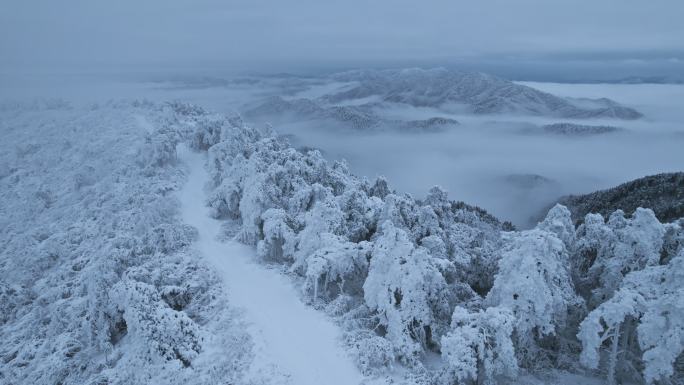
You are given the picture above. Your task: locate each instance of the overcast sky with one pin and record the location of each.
(277, 33)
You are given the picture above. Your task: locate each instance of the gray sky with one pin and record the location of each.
(267, 34)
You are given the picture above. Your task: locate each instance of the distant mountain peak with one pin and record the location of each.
(482, 93)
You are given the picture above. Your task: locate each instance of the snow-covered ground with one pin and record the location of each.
(294, 344)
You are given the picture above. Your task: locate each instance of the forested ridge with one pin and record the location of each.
(100, 283)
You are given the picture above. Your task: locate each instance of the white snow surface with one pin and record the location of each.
(294, 344)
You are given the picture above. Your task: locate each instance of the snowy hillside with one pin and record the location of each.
(110, 272)
(480, 93)
(361, 99)
(663, 193)
(98, 283)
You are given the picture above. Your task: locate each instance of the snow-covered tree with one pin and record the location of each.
(593, 239)
(208, 131)
(372, 352)
(401, 211)
(405, 289)
(158, 331)
(278, 239)
(338, 268)
(479, 347)
(610, 251)
(323, 226)
(673, 240)
(651, 299)
(534, 282)
(559, 221)
(361, 213)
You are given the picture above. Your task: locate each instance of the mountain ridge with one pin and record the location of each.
(663, 193)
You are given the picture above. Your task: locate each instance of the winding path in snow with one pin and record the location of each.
(294, 344)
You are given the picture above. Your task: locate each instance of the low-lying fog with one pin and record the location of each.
(505, 164)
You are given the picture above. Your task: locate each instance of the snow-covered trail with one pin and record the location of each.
(294, 344)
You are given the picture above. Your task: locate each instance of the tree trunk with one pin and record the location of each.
(612, 359)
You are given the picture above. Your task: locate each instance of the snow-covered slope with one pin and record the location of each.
(98, 283)
(481, 93)
(663, 193)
